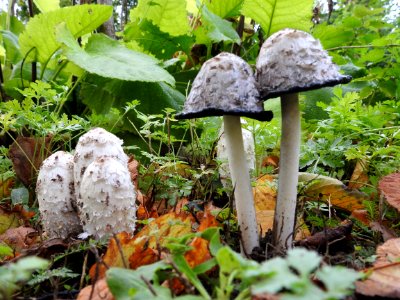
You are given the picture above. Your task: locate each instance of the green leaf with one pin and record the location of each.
(127, 284)
(225, 9)
(47, 5)
(333, 36)
(274, 15)
(11, 23)
(217, 29)
(40, 35)
(11, 46)
(153, 40)
(229, 261)
(169, 15)
(304, 261)
(339, 281)
(108, 58)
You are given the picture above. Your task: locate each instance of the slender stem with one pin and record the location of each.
(285, 213)
(363, 46)
(244, 200)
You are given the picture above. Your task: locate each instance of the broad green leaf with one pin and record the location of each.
(304, 261)
(11, 46)
(127, 284)
(274, 15)
(108, 58)
(169, 15)
(153, 40)
(216, 28)
(338, 280)
(47, 5)
(226, 8)
(11, 23)
(39, 33)
(332, 36)
(230, 261)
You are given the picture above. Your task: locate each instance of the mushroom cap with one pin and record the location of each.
(93, 144)
(55, 194)
(107, 202)
(292, 61)
(225, 85)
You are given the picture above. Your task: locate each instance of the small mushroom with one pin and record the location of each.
(225, 86)
(108, 198)
(55, 194)
(93, 144)
(291, 61)
(222, 156)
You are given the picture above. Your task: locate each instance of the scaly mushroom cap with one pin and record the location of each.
(222, 155)
(107, 202)
(225, 85)
(93, 144)
(292, 61)
(55, 194)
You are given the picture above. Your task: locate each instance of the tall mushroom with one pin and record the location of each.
(291, 61)
(225, 86)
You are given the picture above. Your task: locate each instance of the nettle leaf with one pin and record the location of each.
(216, 28)
(169, 15)
(274, 15)
(40, 34)
(225, 9)
(153, 40)
(108, 58)
(304, 261)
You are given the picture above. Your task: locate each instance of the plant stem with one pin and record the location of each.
(285, 212)
(244, 200)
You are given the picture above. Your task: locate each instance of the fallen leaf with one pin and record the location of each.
(5, 187)
(133, 167)
(334, 192)
(359, 178)
(265, 191)
(386, 232)
(27, 154)
(384, 279)
(361, 215)
(12, 217)
(100, 292)
(154, 235)
(271, 160)
(390, 189)
(19, 238)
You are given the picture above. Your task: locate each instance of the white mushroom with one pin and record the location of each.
(291, 61)
(222, 156)
(225, 86)
(93, 144)
(55, 194)
(108, 198)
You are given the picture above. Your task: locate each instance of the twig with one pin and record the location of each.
(148, 283)
(120, 251)
(363, 46)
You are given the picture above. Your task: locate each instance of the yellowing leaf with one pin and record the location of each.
(264, 193)
(47, 5)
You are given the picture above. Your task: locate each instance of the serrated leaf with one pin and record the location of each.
(47, 5)
(274, 15)
(225, 9)
(338, 281)
(108, 58)
(304, 261)
(216, 28)
(153, 40)
(169, 15)
(39, 33)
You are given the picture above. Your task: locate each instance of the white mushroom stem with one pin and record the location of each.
(244, 200)
(285, 212)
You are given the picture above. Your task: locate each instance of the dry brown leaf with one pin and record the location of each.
(384, 280)
(12, 217)
(27, 154)
(390, 189)
(5, 187)
(271, 160)
(133, 167)
(359, 178)
(19, 238)
(386, 232)
(361, 215)
(100, 292)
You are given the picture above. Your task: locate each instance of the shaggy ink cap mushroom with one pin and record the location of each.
(291, 61)
(225, 85)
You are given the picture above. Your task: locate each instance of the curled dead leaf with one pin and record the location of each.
(384, 279)
(19, 238)
(100, 292)
(390, 189)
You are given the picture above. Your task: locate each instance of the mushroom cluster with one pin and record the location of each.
(91, 189)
